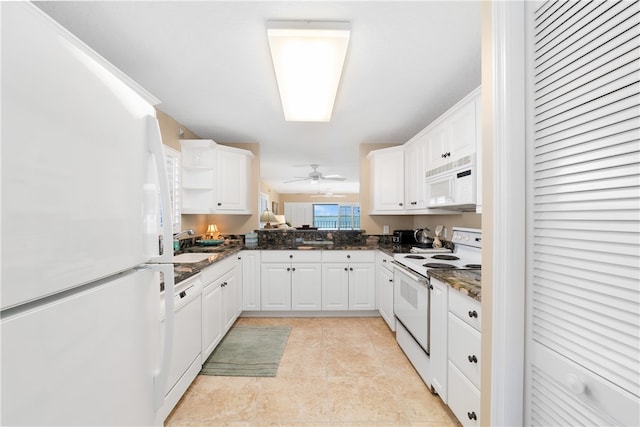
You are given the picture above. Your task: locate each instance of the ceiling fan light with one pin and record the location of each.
(308, 59)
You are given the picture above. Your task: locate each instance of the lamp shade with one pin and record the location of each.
(268, 216)
(212, 230)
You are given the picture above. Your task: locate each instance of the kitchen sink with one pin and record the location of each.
(191, 257)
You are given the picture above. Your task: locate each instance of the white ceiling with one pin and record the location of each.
(208, 62)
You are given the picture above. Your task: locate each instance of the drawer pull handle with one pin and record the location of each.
(472, 415)
(288, 268)
(472, 358)
(473, 314)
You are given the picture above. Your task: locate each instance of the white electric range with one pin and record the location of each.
(467, 253)
(412, 292)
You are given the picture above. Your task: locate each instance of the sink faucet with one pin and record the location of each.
(188, 232)
(176, 237)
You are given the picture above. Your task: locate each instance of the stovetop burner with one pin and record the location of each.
(415, 257)
(446, 257)
(479, 266)
(438, 265)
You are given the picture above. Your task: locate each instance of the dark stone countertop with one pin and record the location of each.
(467, 282)
(183, 271)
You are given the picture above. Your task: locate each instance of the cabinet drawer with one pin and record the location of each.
(464, 398)
(466, 308)
(291, 256)
(464, 348)
(348, 256)
(217, 269)
(385, 261)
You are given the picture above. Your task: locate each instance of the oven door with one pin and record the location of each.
(411, 304)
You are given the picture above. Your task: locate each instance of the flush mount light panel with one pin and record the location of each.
(308, 58)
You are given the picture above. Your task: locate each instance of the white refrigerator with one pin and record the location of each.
(83, 184)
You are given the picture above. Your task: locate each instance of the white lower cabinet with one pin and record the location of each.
(463, 352)
(290, 280)
(276, 286)
(250, 262)
(229, 287)
(439, 337)
(306, 286)
(348, 280)
(316, 280)
(219, 302)
(211, 318)
(464, 398)
(384, 277)
(335, 286)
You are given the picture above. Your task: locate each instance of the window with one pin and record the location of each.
(172, 158)
(336, 216)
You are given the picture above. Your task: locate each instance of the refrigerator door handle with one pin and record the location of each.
(155, 147)
(161, 376)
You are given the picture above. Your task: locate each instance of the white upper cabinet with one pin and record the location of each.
(415, 155)
(387, 180)
(233, 169)
(455, 134)
(398, 174)
(215, 178)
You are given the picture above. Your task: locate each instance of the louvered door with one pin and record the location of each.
(583, 344)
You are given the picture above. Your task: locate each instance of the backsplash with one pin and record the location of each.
(292, 237)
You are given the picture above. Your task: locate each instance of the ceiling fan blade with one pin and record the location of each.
(334, 177)
(296, 180)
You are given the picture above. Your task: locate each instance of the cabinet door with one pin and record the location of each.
(438, 345)
(335, 286)
(385, 296)
(436, 147)
(414, 161)
(276, 286)
(464, 348)
(362, 286)
(462, 131)
(229, 298)
(387, 179)
(250, 280)
(464, 398)
(231, 180)
(306, 286)
(211, 318)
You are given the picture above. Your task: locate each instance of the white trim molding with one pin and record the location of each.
(509, 214)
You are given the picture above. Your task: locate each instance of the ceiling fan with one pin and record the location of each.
(316, 176)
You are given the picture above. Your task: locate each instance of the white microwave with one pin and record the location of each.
(452, 185)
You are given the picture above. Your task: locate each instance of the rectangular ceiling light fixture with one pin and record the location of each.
(308, 57)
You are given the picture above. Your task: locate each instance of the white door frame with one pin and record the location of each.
(507, 219)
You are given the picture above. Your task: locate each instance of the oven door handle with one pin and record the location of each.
(413, 275)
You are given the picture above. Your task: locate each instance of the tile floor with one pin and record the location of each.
(334, 372)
